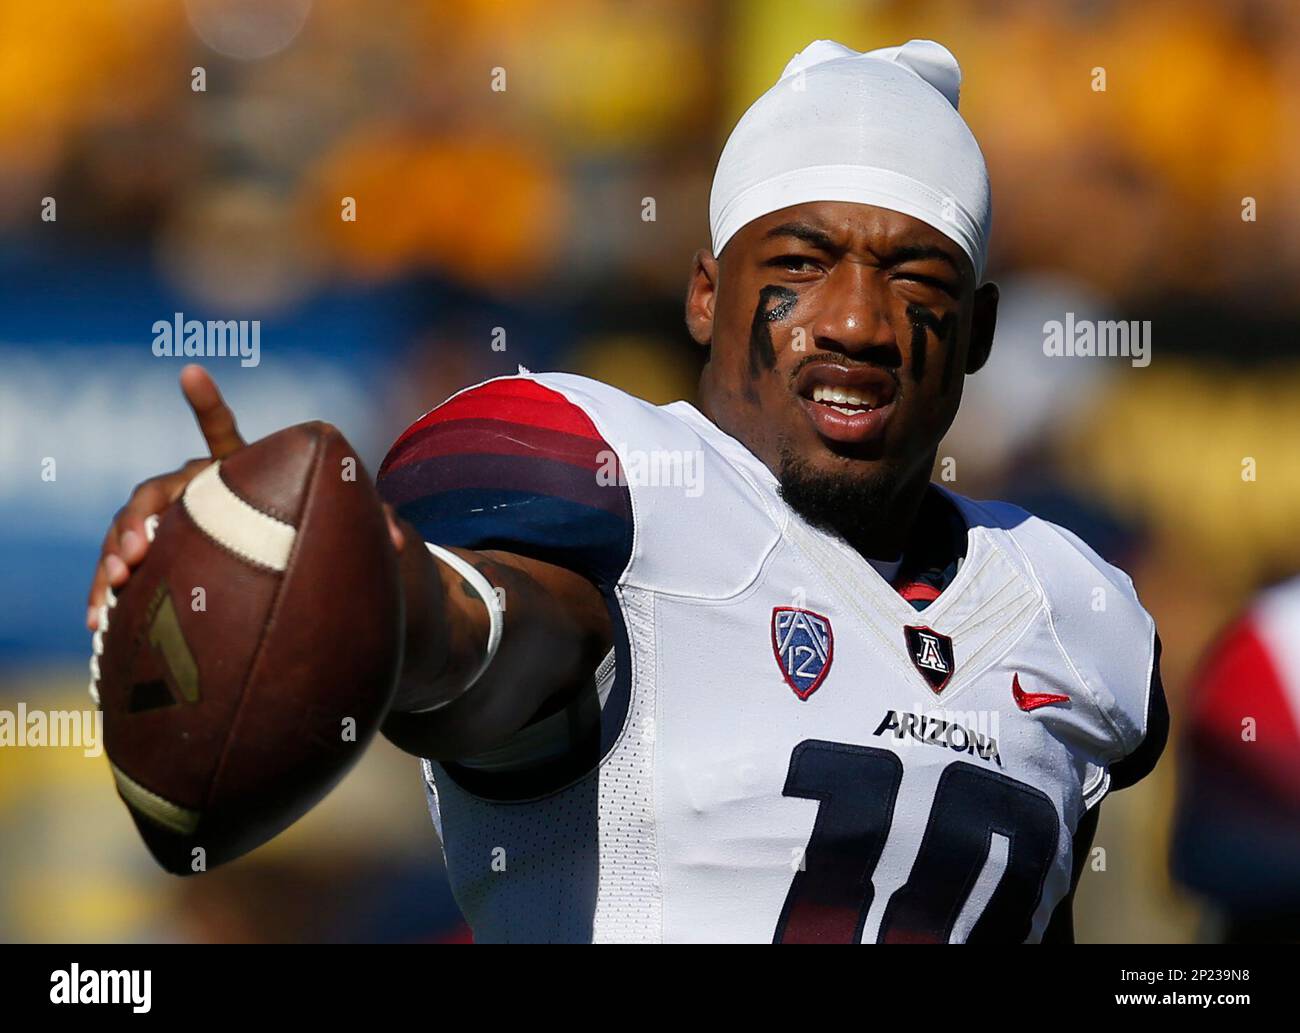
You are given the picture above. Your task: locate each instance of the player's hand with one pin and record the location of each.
(128, 537)
(127, 540)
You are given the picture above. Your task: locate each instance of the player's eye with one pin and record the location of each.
(795, 263)
(929, 281)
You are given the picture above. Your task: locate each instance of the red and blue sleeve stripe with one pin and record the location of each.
(516, 466)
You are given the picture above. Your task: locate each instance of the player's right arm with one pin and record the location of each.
(555, 627)
(511, 476)
(555, 631)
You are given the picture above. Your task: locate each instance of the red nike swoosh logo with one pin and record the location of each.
(1033, 700)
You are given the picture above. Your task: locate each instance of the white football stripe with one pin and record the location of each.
(181, 820)
(229, 520)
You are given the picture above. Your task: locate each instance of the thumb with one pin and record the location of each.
(216, 421)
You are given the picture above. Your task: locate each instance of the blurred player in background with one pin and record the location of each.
(1237, 831)
(737, 670)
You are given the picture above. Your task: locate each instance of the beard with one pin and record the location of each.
(860, 509)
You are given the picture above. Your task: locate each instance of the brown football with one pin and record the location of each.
(254, 652)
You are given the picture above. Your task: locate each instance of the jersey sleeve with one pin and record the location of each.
(512, 464)
(1109, 643)
(1140, 761)
(516, 465)
(1124, 649)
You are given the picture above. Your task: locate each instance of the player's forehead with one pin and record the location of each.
(848, 227)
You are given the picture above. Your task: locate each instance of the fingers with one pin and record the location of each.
(110, 572)
(127, 541)
(98, 596)
(216, 421)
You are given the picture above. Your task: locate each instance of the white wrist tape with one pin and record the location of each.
(496, 612)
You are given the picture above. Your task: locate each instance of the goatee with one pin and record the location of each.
(857, 509)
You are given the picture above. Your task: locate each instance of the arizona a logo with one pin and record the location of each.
(803, 645)
(931, 654)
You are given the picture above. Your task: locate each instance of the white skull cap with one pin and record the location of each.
(878, 128)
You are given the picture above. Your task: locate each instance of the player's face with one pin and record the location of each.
(839, 337)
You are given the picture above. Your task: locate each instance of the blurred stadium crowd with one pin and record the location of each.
(543, 168)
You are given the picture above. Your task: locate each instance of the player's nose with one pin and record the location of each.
(853, 316)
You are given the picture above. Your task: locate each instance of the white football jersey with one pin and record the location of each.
(790, 751)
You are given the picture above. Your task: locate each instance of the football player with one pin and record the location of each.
(1237, 830)
(736, 670)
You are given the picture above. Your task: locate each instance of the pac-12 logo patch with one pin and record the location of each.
(931, 654)
(804, 645)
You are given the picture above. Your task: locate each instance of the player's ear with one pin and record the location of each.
(701, 293)
(984, 321)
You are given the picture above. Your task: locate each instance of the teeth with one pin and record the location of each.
(836, 397)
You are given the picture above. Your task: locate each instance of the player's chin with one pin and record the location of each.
(833, 490)
(833, 461)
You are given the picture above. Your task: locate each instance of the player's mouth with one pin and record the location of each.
(851, 404)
